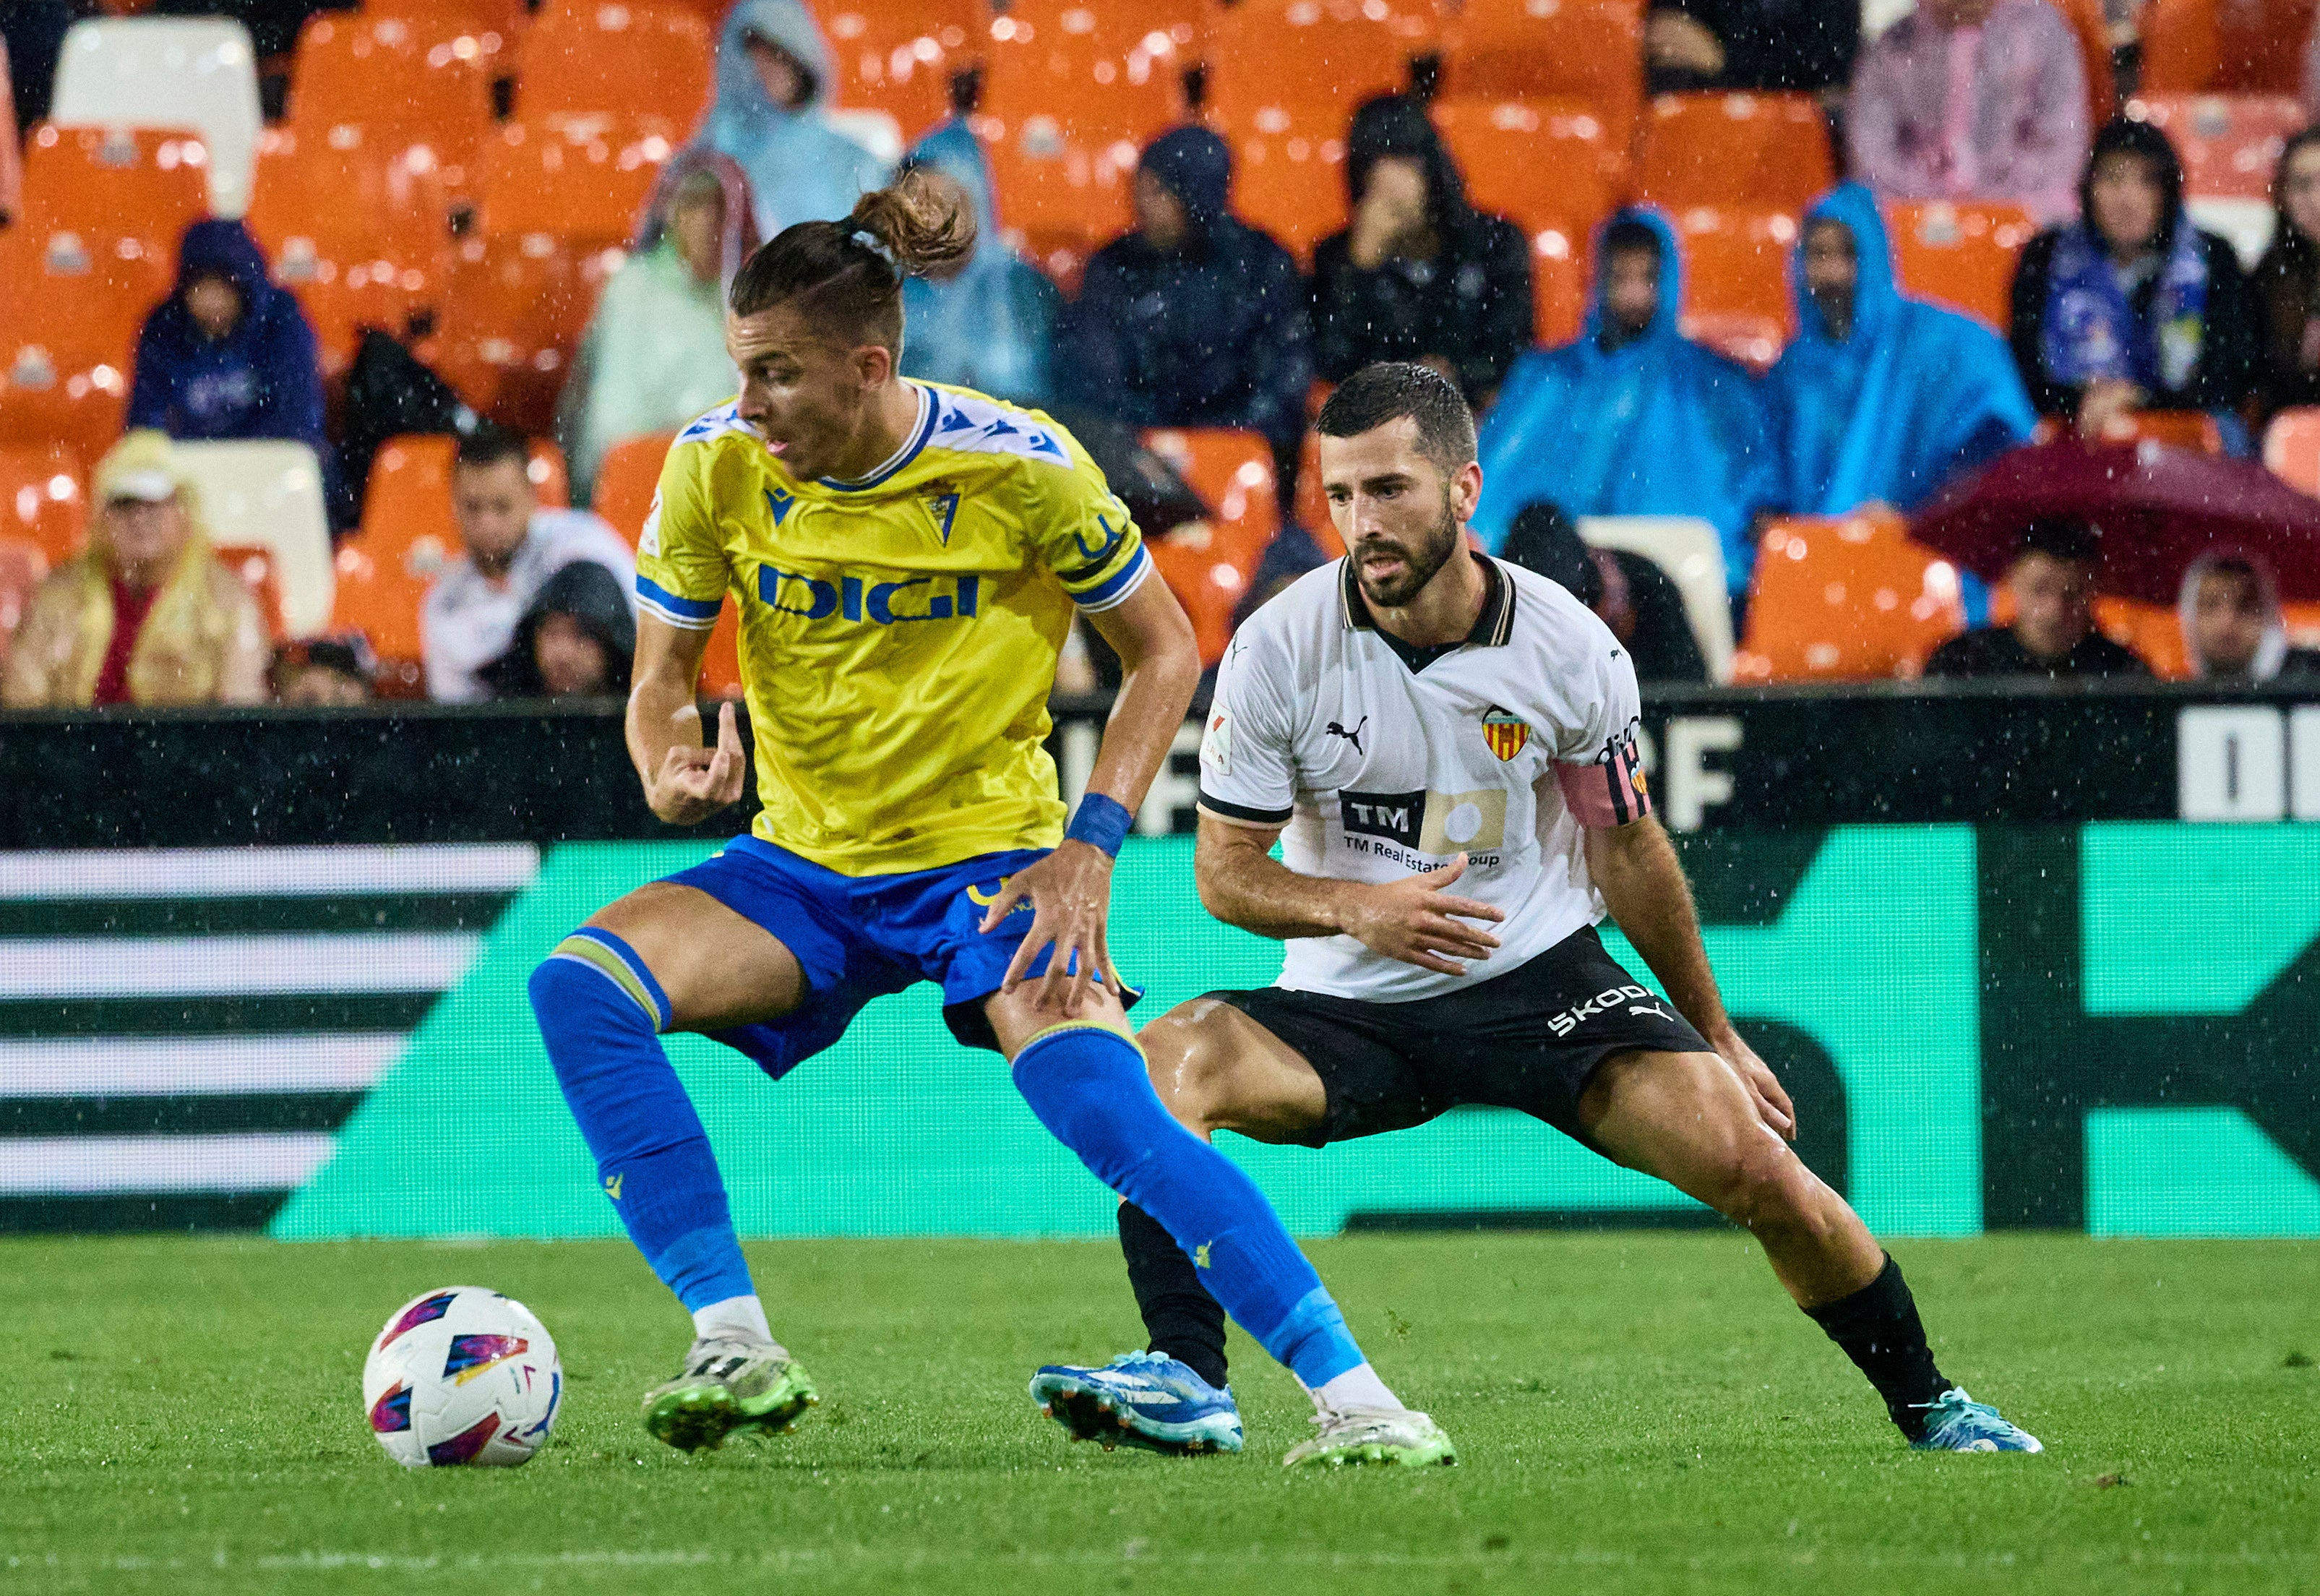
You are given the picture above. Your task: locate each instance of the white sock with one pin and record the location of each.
(736, 1319)
(1357, 1389)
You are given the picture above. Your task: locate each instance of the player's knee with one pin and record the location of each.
(1189, 1071)
(1769, 1190)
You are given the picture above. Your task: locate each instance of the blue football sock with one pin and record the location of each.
(600, 1013)
(1088, 1085)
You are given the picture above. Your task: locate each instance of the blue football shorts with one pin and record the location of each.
(862, 937)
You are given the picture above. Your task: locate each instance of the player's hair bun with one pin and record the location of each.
(923, 225)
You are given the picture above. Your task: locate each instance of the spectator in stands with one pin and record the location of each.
(1629, 592)
(654, 356)
(2053, 634)
(989, 324)
(2233, 630)
(145, 615)
(2287, 280)
(228, 354)
(324, 673)
(1804, 46)
(577, 639)
(1195, 319)
(1881, 399)
(1633, 419)
(2132, 307)
(1972, 99)
(1420, 275)
(772, 115)
(512, 548)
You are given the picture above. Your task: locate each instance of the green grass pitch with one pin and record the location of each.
(1634, 1413)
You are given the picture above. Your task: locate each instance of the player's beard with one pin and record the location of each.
(1419, 564)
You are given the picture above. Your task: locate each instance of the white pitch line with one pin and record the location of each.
(269, 871)
(153, 1067)
(88, 1166)
(320, 962)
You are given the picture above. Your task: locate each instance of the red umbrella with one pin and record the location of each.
(2159, 508)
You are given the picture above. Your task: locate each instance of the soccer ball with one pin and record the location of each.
(462, 1374)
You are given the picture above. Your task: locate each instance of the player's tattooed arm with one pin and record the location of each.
(1642, 881)
(1413, 920)
(685, 781)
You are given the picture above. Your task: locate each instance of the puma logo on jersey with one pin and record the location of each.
(1352, 737)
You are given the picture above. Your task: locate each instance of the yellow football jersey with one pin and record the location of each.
(898, 634)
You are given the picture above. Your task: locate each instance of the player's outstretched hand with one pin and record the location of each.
(1772, 1103)
(1413, 920)
(1069, 894)
(695, 780)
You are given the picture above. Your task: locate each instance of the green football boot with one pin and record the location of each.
(725, 1386)
(1409, 1440)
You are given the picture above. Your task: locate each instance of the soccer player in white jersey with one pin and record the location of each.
(1445, 747)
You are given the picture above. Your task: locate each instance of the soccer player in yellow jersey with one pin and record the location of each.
(906, 558)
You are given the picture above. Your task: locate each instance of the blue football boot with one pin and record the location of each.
(1139, 1399)
(1955, 1423)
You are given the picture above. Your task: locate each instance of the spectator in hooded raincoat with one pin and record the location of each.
(1195, 319)
(228, 354)
(1634, 418)
(771, 115)
(1881, 399)
(1420, 275)
(991, 324)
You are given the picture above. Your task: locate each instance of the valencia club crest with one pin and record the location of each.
(1506, 731)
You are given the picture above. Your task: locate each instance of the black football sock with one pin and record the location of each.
(1184, 1321)
(1879, 1329)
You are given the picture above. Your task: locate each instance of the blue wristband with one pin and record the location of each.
(1100, 821)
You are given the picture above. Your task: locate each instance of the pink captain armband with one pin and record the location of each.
(1610, 790)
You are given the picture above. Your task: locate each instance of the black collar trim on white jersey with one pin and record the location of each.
(1492, 628)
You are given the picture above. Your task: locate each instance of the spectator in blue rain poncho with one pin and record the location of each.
(1881, 399)
(1634, 418)
(771, 115)
(228, 354)
(989, 325)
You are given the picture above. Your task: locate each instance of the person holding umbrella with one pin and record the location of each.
(2053, 633)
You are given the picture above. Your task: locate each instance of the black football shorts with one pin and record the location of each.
(1530, 1039)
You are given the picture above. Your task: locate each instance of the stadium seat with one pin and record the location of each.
(390, 68)
(1284, 79)
(358, 230)
(1232, 471)
(2193, 429)
(1736, 293)
(2154, 632)
(116, 186)
(569, 181)
(23, 566)
(640, 66)
(44, 499)
(1311, 506)
(1540, 163)
(2182, 46)
(1845, 598)
(67, 330)
(1207, 584)
(168, 72)
(1070, 96)
(2302, 622)
(1962, 255)
(2229, 143)
(1559, 284)
(2260, 47)
(259, 570)
(1691, 553)
(899, 56)
(268, 494)
(2291, 449)
(627, 477)
(2091, 24)
(1765, 151)
(1590, 51)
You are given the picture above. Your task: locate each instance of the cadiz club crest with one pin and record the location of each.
(1504, 731)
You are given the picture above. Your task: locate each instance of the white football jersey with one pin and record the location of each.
(1501, 748)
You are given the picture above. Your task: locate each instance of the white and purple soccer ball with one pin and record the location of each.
(462, 1376)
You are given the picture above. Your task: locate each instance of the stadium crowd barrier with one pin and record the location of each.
(2025, 958)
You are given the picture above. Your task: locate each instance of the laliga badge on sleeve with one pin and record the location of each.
(1216, 742)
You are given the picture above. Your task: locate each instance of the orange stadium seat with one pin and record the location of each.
(2260, 47)
(124, 193)
(1845, 598)
(1962, 255)
(23, 566)
(2183, 47)
(44, 499)
(1312, 504)
(1559, 284)
(1208, 585)
(2194, 429)
(1284, 79)
(2152, 632)
(1231, 469)
(2291, 449)
(1582, 49)
(507, 18)
(643, 66)
(899, 56)
(2091, 24)
(1736, 285)
(426, 73)
(1541, 163)
(627, 477)
(1070, 96)
(2229, 143)
(68, 329)
(1769, 150)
